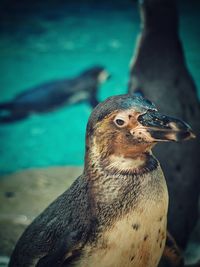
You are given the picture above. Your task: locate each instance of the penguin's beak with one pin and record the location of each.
(164, 128)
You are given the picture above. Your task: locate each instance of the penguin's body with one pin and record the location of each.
(54, 94)
(115, 213)
(130, 240)
(122, 241)
(159, 70)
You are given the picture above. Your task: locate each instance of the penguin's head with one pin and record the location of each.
(129, 125)
(97, 73)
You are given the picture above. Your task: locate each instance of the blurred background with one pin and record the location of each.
(41, 41)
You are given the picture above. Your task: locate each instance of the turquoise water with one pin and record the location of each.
(49, 48)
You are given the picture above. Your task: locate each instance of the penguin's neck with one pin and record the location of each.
(123, 165)
(115, 181)
(136, 160)
(108, 173)
(159, 16)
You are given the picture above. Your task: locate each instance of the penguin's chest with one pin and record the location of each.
(136, 240)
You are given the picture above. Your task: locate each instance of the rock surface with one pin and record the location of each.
(24, 195)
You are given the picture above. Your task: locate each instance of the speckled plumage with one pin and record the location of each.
(115, 213)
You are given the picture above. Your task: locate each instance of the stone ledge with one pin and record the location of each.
(23, 195)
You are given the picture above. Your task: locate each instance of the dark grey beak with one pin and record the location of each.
(165, 128)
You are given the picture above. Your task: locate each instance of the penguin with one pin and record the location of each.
(115, 213)
(159, 72)
(52, 95)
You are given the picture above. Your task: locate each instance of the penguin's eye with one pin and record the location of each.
(120, 122)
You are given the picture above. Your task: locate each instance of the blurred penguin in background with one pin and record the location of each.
(55, 94)
(159, 72)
